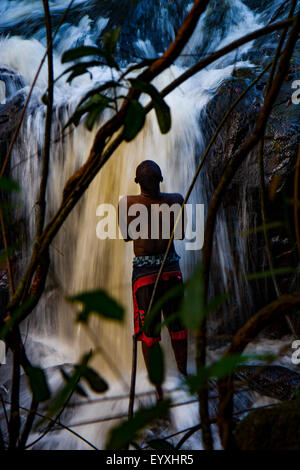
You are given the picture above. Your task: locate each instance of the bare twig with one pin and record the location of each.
(48, 125)
(28, 424)
(61, 426)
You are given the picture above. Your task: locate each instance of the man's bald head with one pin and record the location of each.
(148, 175)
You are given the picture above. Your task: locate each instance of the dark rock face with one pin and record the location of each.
(9, 116)
(281, 139)
(12, 81)
(272, 381)
(11, 109)
(242, 200)
(270, 429)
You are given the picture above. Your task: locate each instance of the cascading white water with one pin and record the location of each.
(79, 261)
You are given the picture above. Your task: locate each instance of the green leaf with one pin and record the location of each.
(110, 39)
(128, 431)
(64, 394)
(45, 99)
(176, 291)
(99, 303)
(261, 228)
(272, 272)
(98, 90)
(192, 309)
(134, 120)
(78, 388)
(94, 380)
(14, 319)
(94, 116)
(162, 110)
(216, 303)
(38, 384)
(8, 185)
(94, 107)
(137, 66)
(81, 51)
(160, 444)
(156, 365)
(163, 115)
(6, 253)
(81, 69)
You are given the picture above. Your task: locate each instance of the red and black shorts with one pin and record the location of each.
(143, 281)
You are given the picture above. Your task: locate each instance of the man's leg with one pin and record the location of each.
(177, 331)
(146, 352)
(180, 352)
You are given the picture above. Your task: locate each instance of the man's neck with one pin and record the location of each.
(152, 194)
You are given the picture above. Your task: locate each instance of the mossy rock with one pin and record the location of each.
(270, 429)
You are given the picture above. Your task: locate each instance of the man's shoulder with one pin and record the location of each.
(169, 198)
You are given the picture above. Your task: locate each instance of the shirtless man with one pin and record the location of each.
(149, 253)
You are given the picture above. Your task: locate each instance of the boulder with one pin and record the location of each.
(275, 428)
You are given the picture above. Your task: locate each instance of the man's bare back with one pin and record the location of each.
(152, 246)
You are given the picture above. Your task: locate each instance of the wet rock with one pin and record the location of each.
(272, 381)
(10, 110)
(241, 205)
(9, 114)
(13, 82)
(270, 429)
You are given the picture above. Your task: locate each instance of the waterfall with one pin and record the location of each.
(79, 260)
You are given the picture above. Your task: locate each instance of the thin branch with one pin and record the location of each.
(61, 426)
(222, 52)
(54, 421)
(14, 420)
(28, 424)
(48, 126)
(8, 263)
(182, 37)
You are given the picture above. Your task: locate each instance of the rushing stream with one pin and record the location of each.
(79, 260)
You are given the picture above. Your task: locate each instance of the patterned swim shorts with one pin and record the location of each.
(143, 280)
